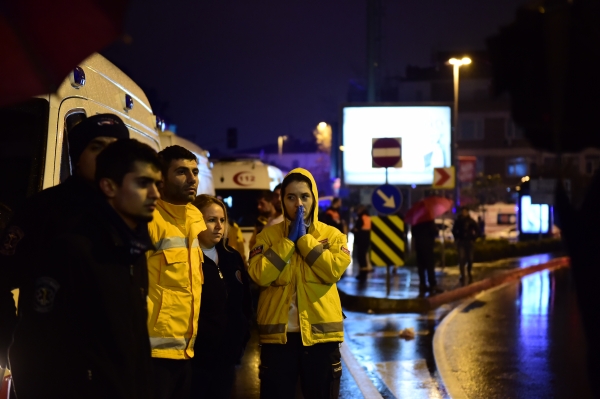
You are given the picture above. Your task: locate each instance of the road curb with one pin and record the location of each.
(419, 305)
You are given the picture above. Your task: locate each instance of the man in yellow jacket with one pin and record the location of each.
(175, 274)
(297, 264)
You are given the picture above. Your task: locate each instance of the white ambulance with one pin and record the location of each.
(33, 136)
(240, 182)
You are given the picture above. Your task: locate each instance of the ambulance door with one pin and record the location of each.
(71, 112)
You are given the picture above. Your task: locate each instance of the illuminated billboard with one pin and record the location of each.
(426, 136)
(531, 219)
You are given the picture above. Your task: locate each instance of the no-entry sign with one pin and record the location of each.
(387, 152)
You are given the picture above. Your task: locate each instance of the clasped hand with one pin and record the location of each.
(298, 228)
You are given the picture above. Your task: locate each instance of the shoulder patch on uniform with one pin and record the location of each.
(238, 275)
(13, 236)
(256, 251)
(346, 250)
(44, 294)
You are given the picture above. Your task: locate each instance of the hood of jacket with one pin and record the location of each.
(315, 193)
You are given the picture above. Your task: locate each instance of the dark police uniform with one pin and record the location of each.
(82, 326)
(42, 218)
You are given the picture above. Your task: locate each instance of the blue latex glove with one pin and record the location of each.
(297, 229)
(300, 220)
(294, 229)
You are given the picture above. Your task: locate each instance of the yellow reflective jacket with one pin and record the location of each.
(312, 268)
(175, 279)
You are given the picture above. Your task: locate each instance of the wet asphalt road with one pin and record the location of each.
(398, 367)
(524, 340)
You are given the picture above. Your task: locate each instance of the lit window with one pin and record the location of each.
(517, 167)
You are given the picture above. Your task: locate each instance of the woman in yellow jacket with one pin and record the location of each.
(297, 264)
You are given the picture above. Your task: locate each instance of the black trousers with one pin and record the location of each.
(212, 382)
(172, 378)
(426, 266)
(319, 368)
(465, 256)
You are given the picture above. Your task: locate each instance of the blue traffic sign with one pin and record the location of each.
(386, 199)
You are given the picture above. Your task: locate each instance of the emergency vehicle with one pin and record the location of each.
(33, 144)
(239, 182)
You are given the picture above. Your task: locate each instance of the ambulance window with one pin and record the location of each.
(71, 120)
(23, 136)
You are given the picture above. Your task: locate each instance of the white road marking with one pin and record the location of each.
(358, 373)
(453, 385)
(409, 377)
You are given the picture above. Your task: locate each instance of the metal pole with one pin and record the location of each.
(455, 135)
(386, 175)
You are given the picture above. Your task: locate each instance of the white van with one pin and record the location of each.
(33, 136)
(500, 219)
(240, 183)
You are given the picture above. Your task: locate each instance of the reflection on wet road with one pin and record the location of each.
(399, 367)
(523, 340)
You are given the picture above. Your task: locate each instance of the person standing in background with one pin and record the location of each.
(332, 215)
(266, 212)
(277, 217)
(424, 235)
(465, 232)
(362, 240)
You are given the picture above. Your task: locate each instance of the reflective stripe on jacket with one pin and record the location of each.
(175, 280)
(311, 267)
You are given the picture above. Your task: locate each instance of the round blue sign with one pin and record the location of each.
(386, 199)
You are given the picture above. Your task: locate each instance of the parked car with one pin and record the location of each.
(510, 233)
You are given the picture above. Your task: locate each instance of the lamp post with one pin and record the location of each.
(280, 140)
(456, 64)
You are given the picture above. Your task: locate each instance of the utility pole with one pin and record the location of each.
(374, 13)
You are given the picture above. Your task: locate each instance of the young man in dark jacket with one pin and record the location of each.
(82, 329)
(465, 231)
(51, 212)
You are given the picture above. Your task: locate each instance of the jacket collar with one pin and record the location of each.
(130, 243)
(177, 212)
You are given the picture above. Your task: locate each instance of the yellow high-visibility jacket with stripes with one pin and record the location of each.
(311, 267)
(175, 279)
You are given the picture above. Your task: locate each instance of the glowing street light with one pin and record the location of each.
(280, 140)
(456, 64)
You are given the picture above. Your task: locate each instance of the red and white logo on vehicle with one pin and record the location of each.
(244, 179)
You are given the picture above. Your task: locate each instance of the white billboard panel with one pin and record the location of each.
(426, 138)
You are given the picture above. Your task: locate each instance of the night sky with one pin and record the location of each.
(279, 67)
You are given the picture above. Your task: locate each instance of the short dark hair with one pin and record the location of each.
(119, 158)
(266, 195)
(277, 187)
(172, 153)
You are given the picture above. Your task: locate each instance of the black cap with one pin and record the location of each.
(101, 125)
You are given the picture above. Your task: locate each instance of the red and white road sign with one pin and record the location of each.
(387, 152)
(444, 178)
(466, 169)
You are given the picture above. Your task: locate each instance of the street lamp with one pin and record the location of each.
(280, 140)
(456, 64)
